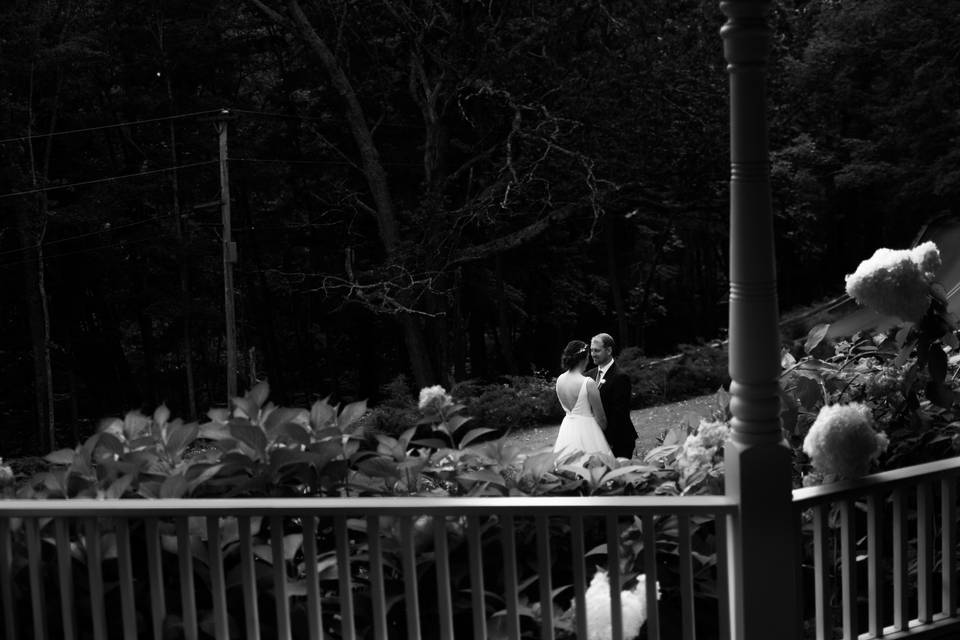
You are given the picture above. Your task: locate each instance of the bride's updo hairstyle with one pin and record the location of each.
(574, 353)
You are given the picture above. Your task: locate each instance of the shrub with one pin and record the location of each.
(517, 402)
(695, 371)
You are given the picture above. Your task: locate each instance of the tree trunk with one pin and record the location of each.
(504, 332)
(610, 239)
(373, 170)
(39, 327)
(459, 343)
(32, 236)
(183, 268)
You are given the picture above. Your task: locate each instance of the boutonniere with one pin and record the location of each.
(600, 382)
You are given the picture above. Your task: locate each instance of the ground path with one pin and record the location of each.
(649, 423)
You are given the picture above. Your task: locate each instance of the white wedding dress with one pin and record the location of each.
(579, 430)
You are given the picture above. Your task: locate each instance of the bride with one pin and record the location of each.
(582, 427)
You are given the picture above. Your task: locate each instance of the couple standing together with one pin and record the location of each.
(596, 401)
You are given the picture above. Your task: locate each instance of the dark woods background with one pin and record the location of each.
(447, 189)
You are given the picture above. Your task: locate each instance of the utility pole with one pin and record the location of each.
(229, 258)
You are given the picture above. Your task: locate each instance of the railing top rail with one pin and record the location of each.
(518, 506)
(810, 496)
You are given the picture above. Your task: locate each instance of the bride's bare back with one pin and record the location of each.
(568, 391)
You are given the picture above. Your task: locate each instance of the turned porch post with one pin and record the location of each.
(757, 460)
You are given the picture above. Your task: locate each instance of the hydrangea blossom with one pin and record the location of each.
(700, 452)
(633, 603)
(6, 474)
(896, 282)
(842, 440)
(433, 398)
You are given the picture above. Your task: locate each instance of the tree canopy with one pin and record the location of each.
(446, 189)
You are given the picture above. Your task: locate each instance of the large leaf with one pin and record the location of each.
(61, 456)
(473, 434)
(483, 475)
(351, 413)
(259, 393)
(252, 436)
(175, 486)
(321, 413)
(291, 432)
(282, 416)
(379, 467)
(815, 336)
(179, 437)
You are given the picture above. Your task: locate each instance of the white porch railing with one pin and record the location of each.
(884, 556)
(208, 568)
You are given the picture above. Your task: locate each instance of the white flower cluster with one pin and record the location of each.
(896, 282)
(433, 398)
(700, 451)
(842, 440)
(6, 474)
(633, 603)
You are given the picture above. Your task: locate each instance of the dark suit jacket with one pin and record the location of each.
(615, 396)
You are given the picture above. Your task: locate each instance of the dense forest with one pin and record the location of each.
(443, 189)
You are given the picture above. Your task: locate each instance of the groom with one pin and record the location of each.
(614, 394)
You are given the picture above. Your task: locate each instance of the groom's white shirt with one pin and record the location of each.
(602, 371)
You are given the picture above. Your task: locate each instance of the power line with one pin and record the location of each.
(79, 251)
(82, 235)
(110, 179)
(107, 126)
(286, 116)
(336, 162)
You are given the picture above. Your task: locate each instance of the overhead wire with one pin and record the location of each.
(78, 236)
(108, 126)
(109, 179)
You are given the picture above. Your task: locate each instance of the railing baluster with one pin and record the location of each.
(579, 573)
(128, 605)
(185, 562)
(948, 541)
(408, 555)
(281, 602)
(377, 585)
(34, 561)
(685, 562)
(848, 560)
(158, 604)
(217, 582)
(342, 537)
(314, 610)
(61, 527)
(924, 553)
(723, 576)
(442, 557)
(95, 574)
(251, 610)
(6, 580)
(901, 610)
(508, 536)
(874, 549)
(821, 576)
(650, 571)
(476, 578)
(613, 567)
(545, 577)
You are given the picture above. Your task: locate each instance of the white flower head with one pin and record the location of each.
(896, 282)
(6, 474)
(842, 440)
(633, 604)
(433, 398)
